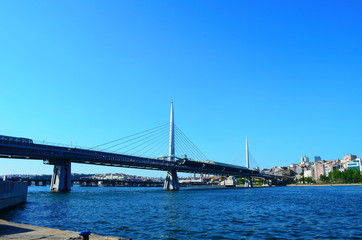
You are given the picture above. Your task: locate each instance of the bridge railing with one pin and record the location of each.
(82, 148)
(58, 144)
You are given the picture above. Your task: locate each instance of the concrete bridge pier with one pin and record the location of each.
(268, 182)
(171, 181)
(248, 182)
(61, 179)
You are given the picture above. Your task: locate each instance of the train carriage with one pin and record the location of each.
(15, 139)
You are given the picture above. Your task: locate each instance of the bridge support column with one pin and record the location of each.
(268, 182)
(248, 182)
(171, 182)
(61, 179)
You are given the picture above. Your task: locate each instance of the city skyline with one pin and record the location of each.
(285, 74)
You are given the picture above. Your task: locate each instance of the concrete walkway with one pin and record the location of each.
(9, 230)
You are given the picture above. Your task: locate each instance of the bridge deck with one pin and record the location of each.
(50, 154)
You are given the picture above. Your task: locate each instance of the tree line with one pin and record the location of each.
(352, 175)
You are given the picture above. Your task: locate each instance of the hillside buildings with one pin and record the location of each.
(317, 168)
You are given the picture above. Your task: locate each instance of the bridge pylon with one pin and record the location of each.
(171, 181)
(248, 180)
(61, 178)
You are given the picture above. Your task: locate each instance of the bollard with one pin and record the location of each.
(85, 234)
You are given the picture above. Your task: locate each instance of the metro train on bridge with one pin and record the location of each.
(15, 139)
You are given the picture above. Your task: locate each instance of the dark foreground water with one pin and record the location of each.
(193, 213)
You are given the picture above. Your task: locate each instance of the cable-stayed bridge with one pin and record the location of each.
(149, 142)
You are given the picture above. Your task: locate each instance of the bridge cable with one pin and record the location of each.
(139, 145)
(166, 124)
(191, 152)
(144, 139)
(184, 146)
(151, 145)
(190, 144)
(253, 159)
(132, 139)
(156, 148)
(199, 154)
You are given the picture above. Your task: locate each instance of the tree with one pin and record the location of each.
(336, 176)
(323, 178)
(240, 181)
(308, 180)
(356, 175)
(352, 175)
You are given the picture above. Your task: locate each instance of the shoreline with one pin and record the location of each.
(20, 231)
(324, 185)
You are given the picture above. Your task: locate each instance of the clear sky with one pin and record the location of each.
(287, 74)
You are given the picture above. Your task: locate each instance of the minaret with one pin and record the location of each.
(171, 149)
(247, 154)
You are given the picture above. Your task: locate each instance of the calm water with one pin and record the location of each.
(152, 213)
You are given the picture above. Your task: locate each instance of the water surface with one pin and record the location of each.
(331, 212)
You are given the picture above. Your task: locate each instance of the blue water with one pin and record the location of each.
(333, 212)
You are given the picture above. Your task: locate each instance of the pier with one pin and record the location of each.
(18, 231)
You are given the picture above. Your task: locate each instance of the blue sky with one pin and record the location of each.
(287, 74)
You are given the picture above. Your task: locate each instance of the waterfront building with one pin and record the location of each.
(355, 164)
(337, 167)
(281, 171)
(308, 173)
(349, 157)
(298, 169)
(319, 170)
(304, 160)
(312, 169)
(319, 167)
(328, 168)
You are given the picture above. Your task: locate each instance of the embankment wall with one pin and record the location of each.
(12, 193)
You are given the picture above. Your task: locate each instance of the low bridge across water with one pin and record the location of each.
(62, 157)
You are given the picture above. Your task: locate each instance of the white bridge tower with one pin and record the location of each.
(248, 180)
(171, 182)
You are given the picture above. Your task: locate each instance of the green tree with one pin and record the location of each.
(323, 178)
(356, 175)
(352, 175)
(241, 181)
(336, 176)
(308, 180)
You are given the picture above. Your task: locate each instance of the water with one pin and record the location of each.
(199, 213)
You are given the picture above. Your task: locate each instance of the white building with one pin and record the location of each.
(308, 173)
(355, 164)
